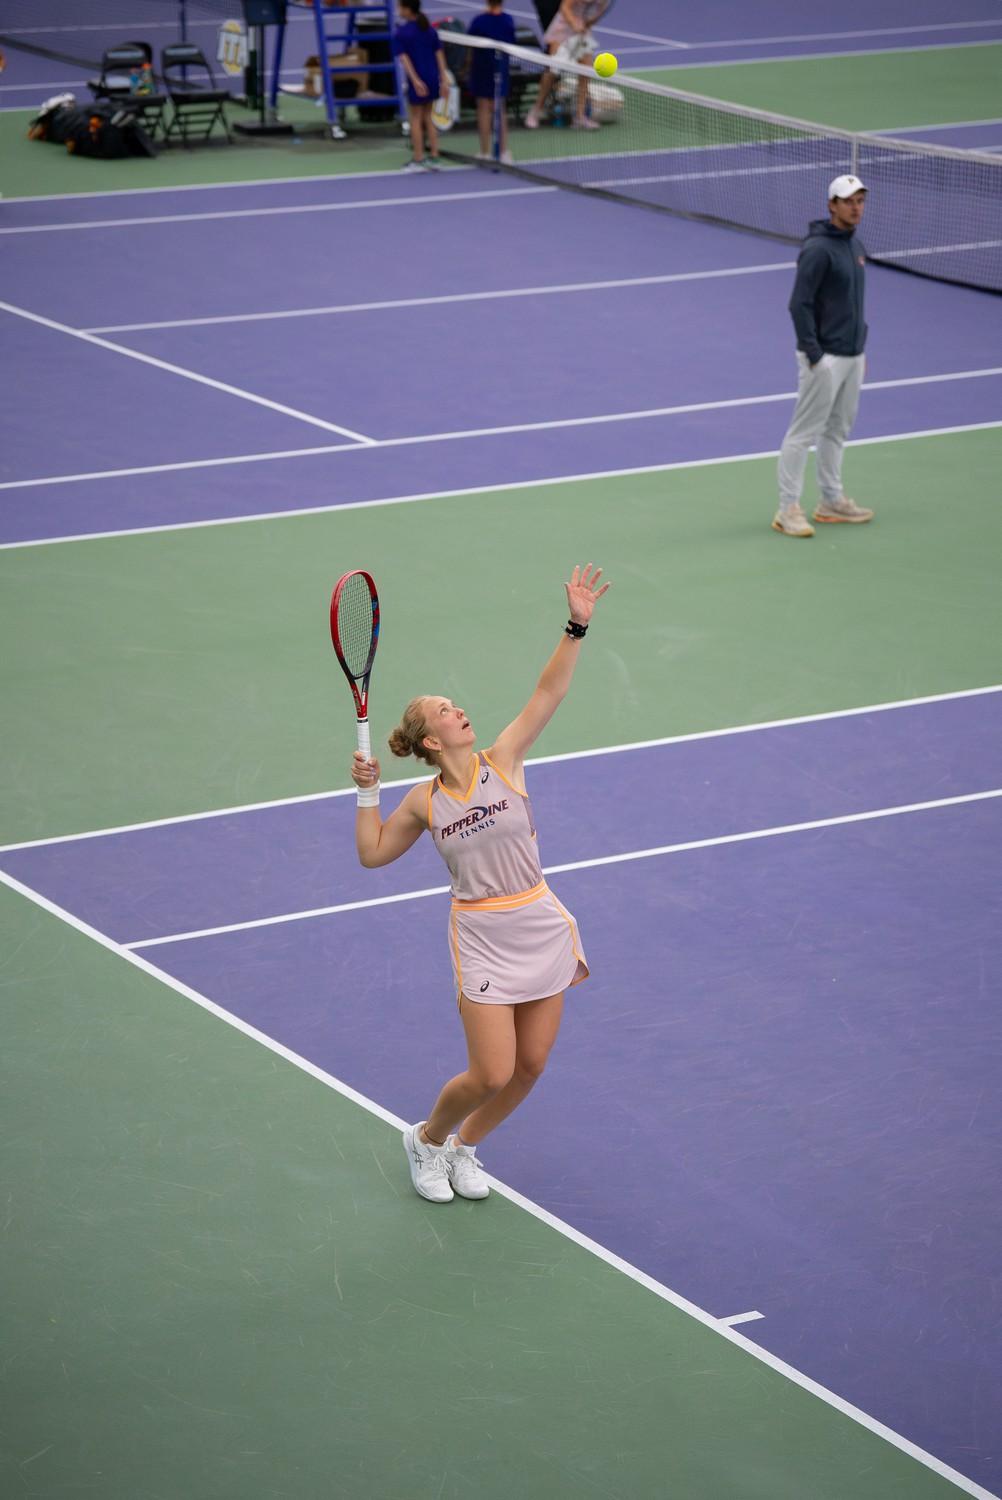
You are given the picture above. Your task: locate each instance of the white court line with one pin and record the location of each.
(577, 864)
(160, 364)
(511, 429)
(479, 489)
(945, 125)
(538, 760)
(616, 1262)
(751, 62)
(235, 184)
(941, 249)
(267, 213)
(748, 1317)
(834, 36)
(556, 289)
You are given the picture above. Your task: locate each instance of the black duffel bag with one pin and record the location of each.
(107, 128)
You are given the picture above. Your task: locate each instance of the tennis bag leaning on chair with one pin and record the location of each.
(107, 128)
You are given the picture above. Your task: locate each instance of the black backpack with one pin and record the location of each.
(105, 128)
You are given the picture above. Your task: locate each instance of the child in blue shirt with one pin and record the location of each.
(417, 44)
(489, 74)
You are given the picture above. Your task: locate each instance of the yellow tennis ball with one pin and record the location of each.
(606, 64)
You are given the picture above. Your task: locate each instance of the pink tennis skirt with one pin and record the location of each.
(510, 949)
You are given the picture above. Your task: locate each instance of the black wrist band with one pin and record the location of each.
(575, 631)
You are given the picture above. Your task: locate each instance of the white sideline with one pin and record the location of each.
(481, 489)
(537, 760)
(480, 432)
(277, 212)
(577, 864)
(967, 1486)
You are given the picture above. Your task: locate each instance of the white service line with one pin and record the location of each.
(578, 864)
(747, 1317)
(270, 213)
(543, 482)
(358, 438)
(616, 1262)
(602, 419)
(556, 289)
(537, 760)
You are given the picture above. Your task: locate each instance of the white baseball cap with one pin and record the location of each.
(844, 187)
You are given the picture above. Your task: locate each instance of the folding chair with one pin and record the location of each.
(197, 106)
(119, 64)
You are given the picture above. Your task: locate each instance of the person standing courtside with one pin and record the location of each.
(827, 310)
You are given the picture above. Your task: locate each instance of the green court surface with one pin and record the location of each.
(862, 91)
(38, 168)
(219, 1284)
(200, 654)
(859, 90)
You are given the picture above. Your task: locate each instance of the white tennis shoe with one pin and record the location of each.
(842, 509)
(465, 1172)
(429, 1166)
(791, 521)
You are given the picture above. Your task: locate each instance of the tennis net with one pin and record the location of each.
(930, 209)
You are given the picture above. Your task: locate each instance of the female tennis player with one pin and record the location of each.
(569, 35)
(515, 948)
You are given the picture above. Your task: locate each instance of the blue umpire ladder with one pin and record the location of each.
(347, 39)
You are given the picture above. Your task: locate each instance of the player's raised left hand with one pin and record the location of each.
(583, 592)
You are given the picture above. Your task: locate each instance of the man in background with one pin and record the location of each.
(827, 310)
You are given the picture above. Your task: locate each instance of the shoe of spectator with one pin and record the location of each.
(791, 521)
(842, 509)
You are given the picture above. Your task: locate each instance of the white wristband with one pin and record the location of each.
(368, 796)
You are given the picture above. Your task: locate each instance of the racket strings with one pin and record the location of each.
(355, 625)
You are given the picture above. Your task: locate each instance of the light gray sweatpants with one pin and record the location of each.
(827, 402)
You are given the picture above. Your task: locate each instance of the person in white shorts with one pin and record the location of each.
(515, 948)
(827, 310)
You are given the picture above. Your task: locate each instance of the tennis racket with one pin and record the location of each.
(355, 636)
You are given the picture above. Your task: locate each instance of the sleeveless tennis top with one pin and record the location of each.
(487, 838)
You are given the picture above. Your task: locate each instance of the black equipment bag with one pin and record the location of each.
(107, 128)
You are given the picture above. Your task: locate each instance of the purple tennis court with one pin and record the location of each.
(776, 959)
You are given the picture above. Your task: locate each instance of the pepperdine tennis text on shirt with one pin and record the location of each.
(477, 817)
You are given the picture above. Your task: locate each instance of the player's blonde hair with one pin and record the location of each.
(407, 738)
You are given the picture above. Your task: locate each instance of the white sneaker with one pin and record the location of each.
(791, 521)
(532, 120)
(586, 123)
(842, 509)
(465, 1172)
(412, 166)
(429, 1166)
(507, 159)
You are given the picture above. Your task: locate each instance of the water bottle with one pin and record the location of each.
(145, 80)
(135, 79)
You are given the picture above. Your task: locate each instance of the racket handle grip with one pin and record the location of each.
(367, 796)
